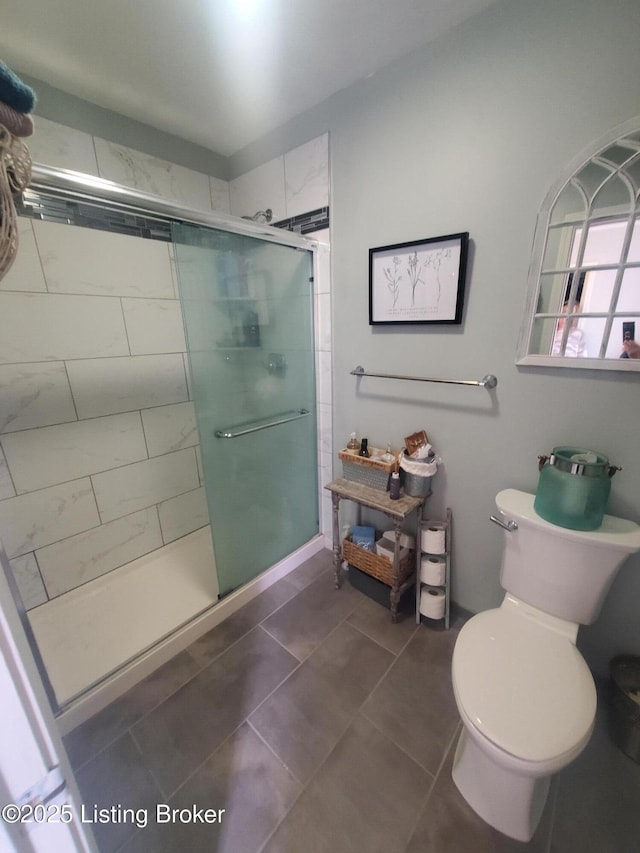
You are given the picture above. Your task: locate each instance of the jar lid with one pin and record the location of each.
(581, 462)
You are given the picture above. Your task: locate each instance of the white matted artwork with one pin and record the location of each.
(418, 282)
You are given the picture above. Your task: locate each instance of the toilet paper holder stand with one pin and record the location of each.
(445, 555)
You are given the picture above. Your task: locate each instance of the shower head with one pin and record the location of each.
(261, 216)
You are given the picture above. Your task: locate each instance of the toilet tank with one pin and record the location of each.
(563, 572)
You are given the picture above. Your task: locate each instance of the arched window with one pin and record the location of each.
(583, 299)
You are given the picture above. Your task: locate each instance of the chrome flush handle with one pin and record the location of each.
(509, 525)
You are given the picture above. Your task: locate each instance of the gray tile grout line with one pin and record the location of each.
(144, 763)
(355, 715)
(303, 786)
(246, 719)
(13, 485)
(275, 754)
(282, 645)
(382, 646)
(134, 834)
(343, 621)
(300, 664)
(433, 783)
(180, 686)
(130, 728)
(393, 662)
(202, 668)
(397, 746)
(364, 713)
(172, 794)
(552, 819)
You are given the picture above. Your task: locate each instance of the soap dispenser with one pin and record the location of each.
(353, 444)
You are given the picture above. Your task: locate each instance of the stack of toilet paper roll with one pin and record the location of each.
(432, 602)
(433, 537)
(433, 570)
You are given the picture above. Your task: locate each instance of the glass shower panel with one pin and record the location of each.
(248, 311)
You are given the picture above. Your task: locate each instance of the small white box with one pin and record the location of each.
(385, 548)
(406, 541)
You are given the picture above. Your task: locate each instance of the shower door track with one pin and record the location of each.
(66, 184)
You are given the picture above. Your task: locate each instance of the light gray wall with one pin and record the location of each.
(77, 113)
(468, 135)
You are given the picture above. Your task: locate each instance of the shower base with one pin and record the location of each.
(100, 639)
(89, 632)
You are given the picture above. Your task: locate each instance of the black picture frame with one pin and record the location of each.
(418, 283)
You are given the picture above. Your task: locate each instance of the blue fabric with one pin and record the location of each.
(14, 92)
(364, 537)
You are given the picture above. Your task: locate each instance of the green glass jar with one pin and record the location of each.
(573, 488)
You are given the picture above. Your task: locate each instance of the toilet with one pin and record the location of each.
(524, 693)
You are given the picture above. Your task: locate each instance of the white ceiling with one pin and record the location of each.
(220, 73)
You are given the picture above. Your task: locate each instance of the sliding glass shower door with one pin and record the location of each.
(248, 310)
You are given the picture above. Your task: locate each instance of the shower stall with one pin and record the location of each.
(159, 463)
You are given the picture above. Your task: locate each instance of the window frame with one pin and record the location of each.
(543, 228)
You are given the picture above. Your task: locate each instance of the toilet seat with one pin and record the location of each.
(523, 685)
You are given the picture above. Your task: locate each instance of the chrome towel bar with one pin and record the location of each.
(489, 381)
(255, 426)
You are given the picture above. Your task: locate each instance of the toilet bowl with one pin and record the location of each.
(524, 693)
(525, 716)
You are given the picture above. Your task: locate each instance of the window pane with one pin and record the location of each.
(598, 291)
(615, 197)
(604, 242)
(591, 329)
(552, 293)
(568, 206)
(618, 154)
(547, 338)
(614, 347)
(559, 242)
(632, 170)
(542, 337)
(591, 176)
(574, 346)
(629, 296)
(634, 248)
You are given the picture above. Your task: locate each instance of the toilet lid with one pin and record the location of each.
(525, 687)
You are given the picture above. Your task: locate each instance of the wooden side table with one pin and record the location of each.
(397, 511)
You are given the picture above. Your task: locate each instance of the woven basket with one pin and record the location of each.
(369, 471)
(375, 565)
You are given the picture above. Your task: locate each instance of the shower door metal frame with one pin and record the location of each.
(68, 184)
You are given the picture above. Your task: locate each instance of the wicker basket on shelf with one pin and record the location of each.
(377, 566)
(371, 470)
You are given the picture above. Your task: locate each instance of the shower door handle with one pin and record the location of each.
(255, 426)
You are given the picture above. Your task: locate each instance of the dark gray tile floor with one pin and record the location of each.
(318, 725)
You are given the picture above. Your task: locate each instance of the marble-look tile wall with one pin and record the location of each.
(295, 183)
(98, 462)
(66, 148)
(99, 458)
